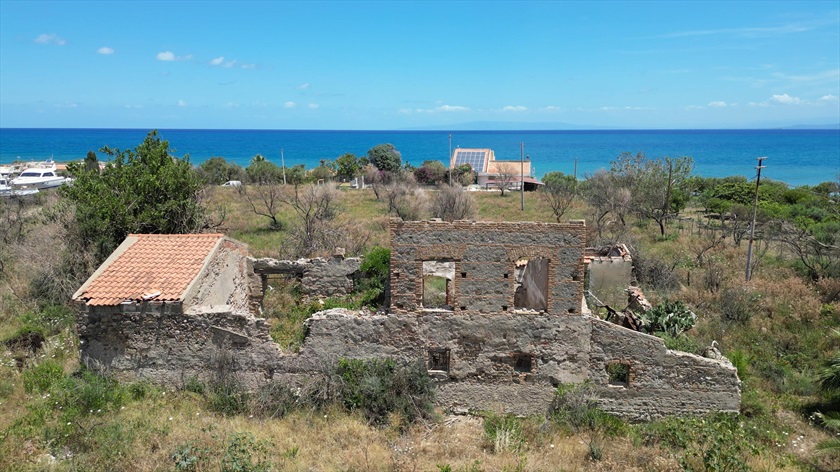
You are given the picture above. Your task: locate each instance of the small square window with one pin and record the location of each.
(439, 359)
(463, 275)
(522, 363)
(619, 373)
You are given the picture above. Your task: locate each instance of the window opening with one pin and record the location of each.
(439, 359)
(522, 363)
(437, 284)
(619, 373)
(531, 286)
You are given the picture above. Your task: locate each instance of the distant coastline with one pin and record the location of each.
(797, 155)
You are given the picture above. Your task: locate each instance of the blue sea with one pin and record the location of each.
(795, 156)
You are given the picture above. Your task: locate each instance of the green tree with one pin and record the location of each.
(145, 190)
(656, 185)
(431, 173)
(559, 192)
(91, 162)
(385, 157)
(263, 172)
(347, 167)
(217, 170)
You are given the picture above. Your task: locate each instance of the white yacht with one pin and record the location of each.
(39, 176)
(7, 190)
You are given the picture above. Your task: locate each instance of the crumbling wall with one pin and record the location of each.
(485, 256)
(660, 382)
(227, 279)
(319, 277)
(514, 362)
(158, 342)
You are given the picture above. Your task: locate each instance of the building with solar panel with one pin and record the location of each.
(492, 173)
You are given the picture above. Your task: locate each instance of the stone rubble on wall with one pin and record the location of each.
(319, 277)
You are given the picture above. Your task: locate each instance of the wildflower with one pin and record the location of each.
(170, 418)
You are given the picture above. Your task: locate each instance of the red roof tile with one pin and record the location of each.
(148, 264)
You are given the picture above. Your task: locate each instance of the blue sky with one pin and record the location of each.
(405, 65)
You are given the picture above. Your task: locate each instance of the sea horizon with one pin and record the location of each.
(796, 155)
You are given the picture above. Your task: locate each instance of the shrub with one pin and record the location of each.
(738, 304)
(244, 454)
(273, 400)
(42, 377)
(503, 432)
(714, 442)
(379, 388)
(373, 277)
(86, 391)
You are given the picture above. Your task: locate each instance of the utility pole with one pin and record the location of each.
(283, 163)
(451, 163)
(752, 228)
(522, 173)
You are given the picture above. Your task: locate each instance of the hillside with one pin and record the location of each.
(56, 415)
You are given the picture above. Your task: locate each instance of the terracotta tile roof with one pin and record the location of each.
(146, 264)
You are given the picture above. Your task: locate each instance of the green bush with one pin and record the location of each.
(576, 410)
(244, 454)
(273, 400)
(379, 387)
(716, 442)
(374, 272)
(85, 392)
(42, 377)
(503, 432)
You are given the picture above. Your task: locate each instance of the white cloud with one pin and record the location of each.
(105, 50)
(695, 107)
(759, 104)
(289, 104)
(718, 104)
(248, 66)
(451, 108)
(167, 56)
(608, 108)
(50, 39)
(786, 99)
(553, 108)
(304, 86)
(313, 106)
(829, 98)
(182, 103)
(514, 108)
(217, 61)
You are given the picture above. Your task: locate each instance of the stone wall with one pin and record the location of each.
(485, 255)
(319, 277)
(158, 342)
(514, 362)
(483, 354)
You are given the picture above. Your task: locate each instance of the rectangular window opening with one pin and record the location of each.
(437, 284)
(439, 359)
(619, 373)
(531, 287)
(522, 363)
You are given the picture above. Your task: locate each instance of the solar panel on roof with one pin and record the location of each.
(474, 158)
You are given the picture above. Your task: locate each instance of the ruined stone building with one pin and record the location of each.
(494, 310)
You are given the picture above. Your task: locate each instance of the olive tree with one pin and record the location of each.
(657, 186)
(144, 190)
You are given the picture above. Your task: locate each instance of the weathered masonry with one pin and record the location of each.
(494, 310)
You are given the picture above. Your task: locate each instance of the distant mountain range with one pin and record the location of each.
(559, 126)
